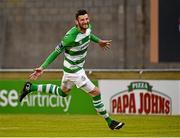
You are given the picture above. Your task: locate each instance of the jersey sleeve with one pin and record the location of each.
(67, 40)
(94, 38)
(58, 50)
(50, 59)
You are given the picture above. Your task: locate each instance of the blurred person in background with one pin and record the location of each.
(74, 45)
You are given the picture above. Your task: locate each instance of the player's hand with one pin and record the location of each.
(105, 44)
(37, 72)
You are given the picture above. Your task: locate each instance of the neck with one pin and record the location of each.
(83, 31)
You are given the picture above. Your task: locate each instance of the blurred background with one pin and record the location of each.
(31, 29)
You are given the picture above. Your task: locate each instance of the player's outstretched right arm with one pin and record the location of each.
(39, 71)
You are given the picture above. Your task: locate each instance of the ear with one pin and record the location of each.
(76, 22)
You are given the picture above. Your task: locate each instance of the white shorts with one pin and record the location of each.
(79, 79)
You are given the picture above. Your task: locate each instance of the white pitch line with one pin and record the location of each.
(6, 128)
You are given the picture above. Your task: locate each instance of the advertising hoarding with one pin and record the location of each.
(141, 97)
(78, 102)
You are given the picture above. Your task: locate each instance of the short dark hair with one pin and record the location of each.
(81, 12)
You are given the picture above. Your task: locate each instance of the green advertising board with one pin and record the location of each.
(77, 102)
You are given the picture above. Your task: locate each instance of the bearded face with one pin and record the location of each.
(83, 22)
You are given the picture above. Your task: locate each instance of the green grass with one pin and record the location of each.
(87, 126)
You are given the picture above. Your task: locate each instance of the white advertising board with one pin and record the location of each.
(155, 97)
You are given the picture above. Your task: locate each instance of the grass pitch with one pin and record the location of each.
(26, 125)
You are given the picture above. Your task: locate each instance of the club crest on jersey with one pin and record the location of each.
(83, 78)
(80, 42)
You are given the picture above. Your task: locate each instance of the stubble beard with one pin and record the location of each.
(84, 28)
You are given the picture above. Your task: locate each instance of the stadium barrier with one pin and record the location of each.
(123, 92)
(150, 74)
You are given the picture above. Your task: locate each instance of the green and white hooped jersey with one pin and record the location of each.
(75, 45)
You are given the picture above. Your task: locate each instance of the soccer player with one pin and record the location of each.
(74, 45)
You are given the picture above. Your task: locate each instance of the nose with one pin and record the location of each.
(86, 21)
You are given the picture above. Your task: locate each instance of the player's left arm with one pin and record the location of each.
(105, 44)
